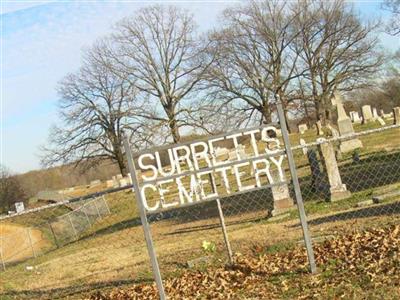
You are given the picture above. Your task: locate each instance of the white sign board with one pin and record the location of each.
(192, 166)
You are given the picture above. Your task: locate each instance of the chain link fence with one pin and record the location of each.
(98, 243)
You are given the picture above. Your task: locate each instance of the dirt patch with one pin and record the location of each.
(16, 245)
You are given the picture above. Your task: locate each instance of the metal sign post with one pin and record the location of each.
(145, 223)
(295, 179)
(222, 221)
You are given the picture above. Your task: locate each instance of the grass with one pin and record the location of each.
(113, 252)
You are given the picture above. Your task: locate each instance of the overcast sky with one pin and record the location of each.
(42, 41)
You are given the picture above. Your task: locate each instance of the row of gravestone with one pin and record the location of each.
(344, 122)
(370, 114)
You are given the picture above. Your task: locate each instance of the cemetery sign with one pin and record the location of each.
(191, 168)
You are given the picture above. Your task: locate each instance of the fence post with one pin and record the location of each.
(72, 225)
(2, 258)
(221, 219)
(86, 215)
(28, 230)
(54, 235)
(295, 179)
(106, 204)
(145, 223)
(97, 208)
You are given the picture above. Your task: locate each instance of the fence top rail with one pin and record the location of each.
(113, 190)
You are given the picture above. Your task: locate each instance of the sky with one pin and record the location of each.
(42, 41)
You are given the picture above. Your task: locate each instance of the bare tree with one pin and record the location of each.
(10, 190)
(159, 50)
(393, 26)
(96, 106)
(339, 51)
(254, 58)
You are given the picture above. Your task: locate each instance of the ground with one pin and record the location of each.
(16, 237)
(361, 265)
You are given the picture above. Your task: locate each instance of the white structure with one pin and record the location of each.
(19, 207)
(366, 114)
(355, 117)
(302, 128)
(374, 113)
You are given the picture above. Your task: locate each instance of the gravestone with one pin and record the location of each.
(302, 128)
(94, 183)
(233, 154)
(374, 113)
(123, 182)
(129, 178)
(355, 117)
(366, 114)
(381, 121)
(319, 128)
(345, 127)
(333, 132)
(19, 207)
(387, 116)
(110, 183)
(280, 193)
(304, 149)
(396, 114)
(337, 190)
(317, 176)
(220, 151)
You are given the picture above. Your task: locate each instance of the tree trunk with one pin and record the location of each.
(266, 114)
(173, 125)
(119, 157)
(320, 111)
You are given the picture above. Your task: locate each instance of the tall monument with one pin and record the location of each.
(345, 126)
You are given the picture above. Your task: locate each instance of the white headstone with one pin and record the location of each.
(319, 128)
(335, 133)
(221, 151)
(355, 117)
(95, 183)
(366, 113)
(123, 182)
(304, 149)
(19, 207)
(302, 128)
(129, 178)
(374, 113)
(381, 121)
(110, 183)
(396, 113)
(345, 128)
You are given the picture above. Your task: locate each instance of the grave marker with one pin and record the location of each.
(366, 114)
(302, 128)
(345, 127)
(337, 190)
(396, 114)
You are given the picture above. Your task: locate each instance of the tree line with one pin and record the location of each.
(157, 78)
